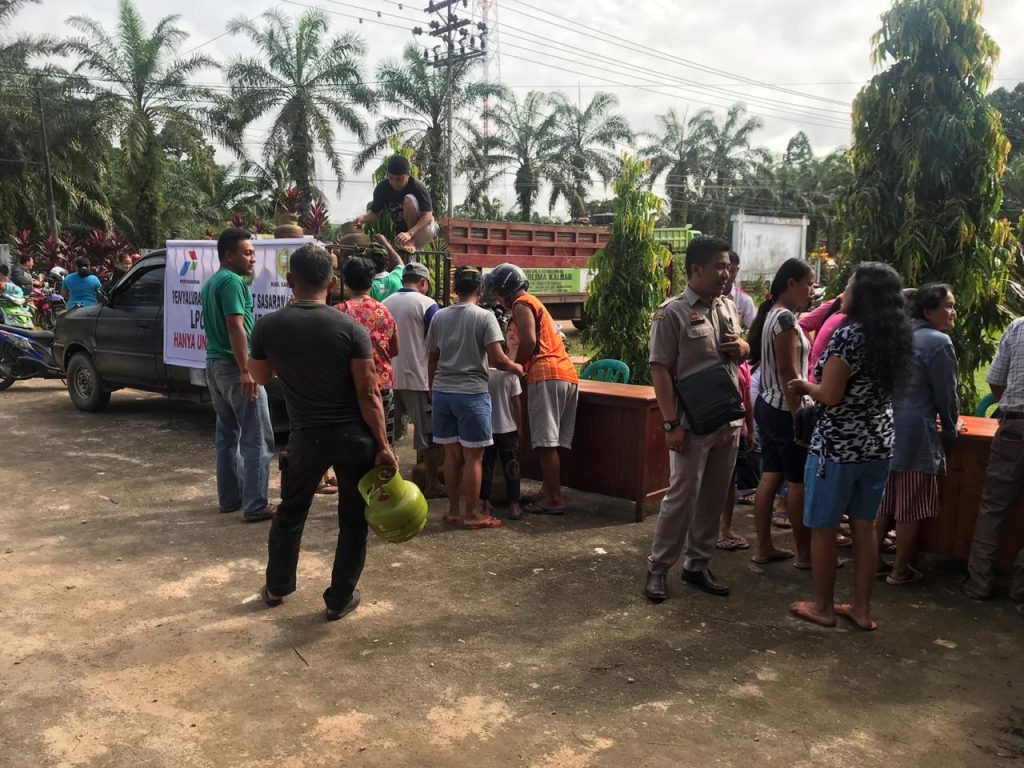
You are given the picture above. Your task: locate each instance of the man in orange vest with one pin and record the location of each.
(552, 385)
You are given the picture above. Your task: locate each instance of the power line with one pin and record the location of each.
(573, 25)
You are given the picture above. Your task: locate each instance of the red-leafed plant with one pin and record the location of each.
(316, 219)
(259, 227)
(237, 220)
(291, 200)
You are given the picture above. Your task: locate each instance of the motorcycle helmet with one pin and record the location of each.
(506, 279)
(58, 273)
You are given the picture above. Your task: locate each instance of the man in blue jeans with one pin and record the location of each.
(245, 437)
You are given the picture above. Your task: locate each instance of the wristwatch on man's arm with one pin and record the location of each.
(668, 426)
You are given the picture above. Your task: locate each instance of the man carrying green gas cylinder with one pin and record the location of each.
(324, 362)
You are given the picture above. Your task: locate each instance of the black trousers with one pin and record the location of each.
(504, 449)
(350, 450)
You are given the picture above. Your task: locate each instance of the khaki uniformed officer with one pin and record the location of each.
(689, 332)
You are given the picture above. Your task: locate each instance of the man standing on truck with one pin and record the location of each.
(245, 437)
(408, 202)
(324, 361)
(551, 382)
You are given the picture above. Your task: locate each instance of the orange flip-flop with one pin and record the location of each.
(485, 522)
(846, 611)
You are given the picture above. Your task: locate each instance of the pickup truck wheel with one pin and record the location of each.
(84, 384)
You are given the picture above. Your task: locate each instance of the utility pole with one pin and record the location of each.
(459, 47)
(46, 167)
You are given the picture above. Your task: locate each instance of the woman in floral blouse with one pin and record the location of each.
(358, 273)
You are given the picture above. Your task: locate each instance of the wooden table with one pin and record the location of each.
(951, 532)
(618, 449)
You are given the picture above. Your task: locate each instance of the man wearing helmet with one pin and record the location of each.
(552, 385)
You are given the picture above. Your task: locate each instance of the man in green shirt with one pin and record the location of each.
(245, 437)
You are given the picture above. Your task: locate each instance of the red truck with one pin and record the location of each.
(555, 257)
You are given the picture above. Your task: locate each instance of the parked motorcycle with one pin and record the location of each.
(47, 306)
(26, 354)
(15, 312)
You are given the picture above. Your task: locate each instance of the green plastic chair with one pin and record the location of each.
(613, 371)
(986, 402)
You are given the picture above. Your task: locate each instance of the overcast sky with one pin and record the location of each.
(652, 54)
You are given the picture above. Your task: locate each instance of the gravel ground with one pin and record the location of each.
(133, 635)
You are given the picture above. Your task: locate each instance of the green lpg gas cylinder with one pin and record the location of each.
(395, 509)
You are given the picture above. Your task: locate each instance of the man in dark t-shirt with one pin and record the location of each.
(408, 202)
(324, 362)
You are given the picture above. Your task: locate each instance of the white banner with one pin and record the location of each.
(190, 263)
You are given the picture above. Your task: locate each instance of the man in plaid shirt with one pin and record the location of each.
(1004, 481)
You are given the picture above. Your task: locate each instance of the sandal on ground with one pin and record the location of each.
(844, 542)
(267, 599)
(802, 610)
(846, 611)
(327, 489)
(840, 562)
(732, 543)
(536, 508)
(513, 516)
(452, 520)
(775, 557)
(781, 521)
(915, 576)
(484, 522)
(746, 500)
(888, 545)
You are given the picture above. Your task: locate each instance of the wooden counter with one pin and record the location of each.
(951, 532)
(618, 448)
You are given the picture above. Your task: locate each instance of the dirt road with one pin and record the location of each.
(132, 634)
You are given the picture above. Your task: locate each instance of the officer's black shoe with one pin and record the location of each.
(705, 580)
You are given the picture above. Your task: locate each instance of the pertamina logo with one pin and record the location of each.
(282, 258)
(191, 264)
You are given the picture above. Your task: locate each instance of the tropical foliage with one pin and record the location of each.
(150, 100)
(928, 155)
(630, 280)
(307, 81)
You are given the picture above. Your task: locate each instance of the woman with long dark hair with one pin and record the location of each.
(919, 455)
(780, 350)
(866, 364)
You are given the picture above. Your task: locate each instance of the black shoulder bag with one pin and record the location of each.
(710, 399)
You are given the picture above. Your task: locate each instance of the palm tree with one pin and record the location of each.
(418, 93)
(675, 153)
(147, 92)
(584, 143)
(309, 81)
(77, 132)
(525, 139)
(728, 157)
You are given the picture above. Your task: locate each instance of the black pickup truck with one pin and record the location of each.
(119, 343)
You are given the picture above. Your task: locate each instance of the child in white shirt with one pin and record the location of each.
(506, 416)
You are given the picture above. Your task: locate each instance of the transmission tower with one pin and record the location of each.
(486, 12)
(459, 43)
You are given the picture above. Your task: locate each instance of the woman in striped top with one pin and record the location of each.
(780, 350)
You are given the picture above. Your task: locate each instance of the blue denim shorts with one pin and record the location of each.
(461, 418)
(845, 489)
